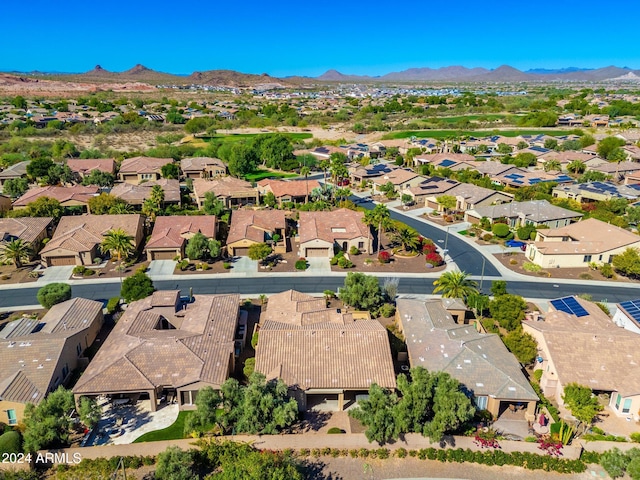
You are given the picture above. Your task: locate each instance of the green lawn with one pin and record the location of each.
(172, 432)
(472, 133)
(490, 117)
(238, 137)
(261, 174)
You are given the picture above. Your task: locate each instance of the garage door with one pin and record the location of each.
(163, 255)
(59, 261)
(317, 252)
(241, 251)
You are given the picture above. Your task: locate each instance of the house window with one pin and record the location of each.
(65, 371)
(618, 398)
(13, 420)
(360, 245)
(626, 408)
(481, 403)
(610, 258)
(599, 258)
(79, 349)
(587, 258)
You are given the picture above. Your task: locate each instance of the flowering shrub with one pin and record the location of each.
(434, 259)
(384, 257)
(552, 448)
(486, 442)
(429, 248)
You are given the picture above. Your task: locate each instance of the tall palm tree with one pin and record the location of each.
(305, 171)
(157, 196)
(16, 251)
(324, 166)
(119, 242)
(381, 217)
(552, 165)
(455, 285)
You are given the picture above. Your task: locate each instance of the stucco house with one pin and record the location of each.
(533, 212)
(578, 244)
(72, 196)
(165, 347)
(288, 191)
(202, 167)
(249, 227)
(77, 238)
(438, 341)
(40, 355)
(171, 233)
(326, 356)
(232, 191)
(578, 343)
(139, 169)
(31, 230)
(320, 232)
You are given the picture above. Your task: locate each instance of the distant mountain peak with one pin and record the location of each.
(138, 69)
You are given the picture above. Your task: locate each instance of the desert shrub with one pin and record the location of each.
(344, 262)
(606, 270)
(112, 305)
(586, 276)
(354, 250)
(11, 442)
(88, 272)
(301, 264)
(500, 230)
(79, 269)
(249, 366)
(182, 264)
(513, 261)
(531, 267)
(335, 430)
(53, 293)
(487, 237)
(387, 310)
(336, 258)
(384, 257)
(226, 265)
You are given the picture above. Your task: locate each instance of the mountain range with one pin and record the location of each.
(452, 74)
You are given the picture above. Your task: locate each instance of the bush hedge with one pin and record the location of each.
(500, 230)
(11, 442)
(113, 305)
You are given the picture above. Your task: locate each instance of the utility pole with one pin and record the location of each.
(484, 261)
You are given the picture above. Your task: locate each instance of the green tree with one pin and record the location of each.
(406, 199)
(608, 146)
(242, 160)
(60, 174)
(207, 403)
(305, 171)
(212, 205)
(19, 102)
(276, 150)
(455, 285)
(16, 251)
(581, 402)
(15, 187)
(45, 207)
(259, 251)
(522, 345)
(587, 140)
(63, 149)
(259, 408)
(10, 442)
(500, 230)
(526, 231)
(48, 424)
(118, 242)
(89, 411)
(378, 414)
(99, 178)
(170, 170)
(551, 143)
(137, 286)
(380, 217)
(53, 293)
(174, 464)
(633, 215)
(103, 203)
(407, 237)
(508, 310)
(504, 149)
(198, 124)
(269, 200)
(39, 167)
(576, 166)
(614, 462)
(628, 263)
(215, 248)
(447, 202)
(197, 247)
(498, 287)
(121, 208)
(552, 165)
(361, 291)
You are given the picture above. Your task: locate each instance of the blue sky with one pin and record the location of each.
(307, 38)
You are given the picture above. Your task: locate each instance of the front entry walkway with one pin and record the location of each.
(56, 274)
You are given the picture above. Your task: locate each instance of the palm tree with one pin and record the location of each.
(119, 242)
(381, 217)
(455, 285)
(324, 166)
(305, 171)
(408, 238)
(157, 196)
(576, 167)
(16, 251)
(552, 165)
(120, 208)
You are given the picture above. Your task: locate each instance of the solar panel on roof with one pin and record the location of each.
(633, 308)
(518, 181)
(447, 163)
(569, 305)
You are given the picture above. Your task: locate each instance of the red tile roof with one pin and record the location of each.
(342, 224)
(76, 193)
(171, 232)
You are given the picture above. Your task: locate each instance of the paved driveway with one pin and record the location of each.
(244, 265)
(56, 274)
(161, 267)
(318, 265)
